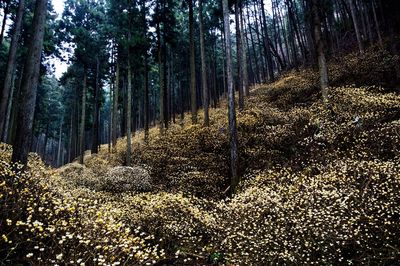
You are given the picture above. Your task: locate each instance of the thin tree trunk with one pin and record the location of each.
(128, 113)
(257, 70)
(193, 98)
(239, 55)
(10, 103)
(29, 86)
(356, 26)
(231, 102)
(165, 82)
(115, 110)
(267, 46)
(203, 68)
(59, 143)
(70, 135)
(110, 118)
(378, 31)
(146, 99)
(323, 70)
(83, 116)
(96, 117)
(6, 96)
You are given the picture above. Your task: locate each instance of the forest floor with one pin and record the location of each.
(319, 186)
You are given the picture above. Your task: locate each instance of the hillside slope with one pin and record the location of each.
(319, 186)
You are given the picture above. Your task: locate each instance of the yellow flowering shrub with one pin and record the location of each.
(319, 185)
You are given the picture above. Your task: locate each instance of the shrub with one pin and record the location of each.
(124, 178)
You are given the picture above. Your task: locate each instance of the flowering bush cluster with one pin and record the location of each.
(319, 186)
(43, 223)
(125, 178)
(374, 67)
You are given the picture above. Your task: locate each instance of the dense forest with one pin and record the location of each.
(184, 132)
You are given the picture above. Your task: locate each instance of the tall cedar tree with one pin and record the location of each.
(6, 95)
(323, 69)
(30, 80)
(193, 98)
(231, 101)
(203, 67)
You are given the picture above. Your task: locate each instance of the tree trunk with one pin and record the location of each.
(115, 110)
(165, 82)
(378, 31)
(267, 46)
(3, 25)
(59, 144)
(129, 114)
(146, 99)
(356, 26)
(193, 98)
(96, 111)
(323, 70)
(239, 55)
(231, 102)
(203, 68)
(161, 79)
(83, 116)
(70, 135)
(6, 96)
(29, 87)
(110, 118)
(244, 55)
(257, 69)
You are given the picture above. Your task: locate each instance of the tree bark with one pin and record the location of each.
(244, 55)
(323, 69)
(115, 110)
(203, 68)
(83, 116)
(96, 111)
(29, 87)
(129, 114)
(378, 31)
(239, 55)
(193, 98)
(356, 26)
(10, 70)
(59, 144)
(231, 102)
(266, 46)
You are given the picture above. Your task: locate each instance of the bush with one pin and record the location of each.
(124, 178)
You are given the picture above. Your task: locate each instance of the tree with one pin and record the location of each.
(6, 10)
(29, 86)
(6, 95)
(231, 101)
(193, 98)
(83, 117)
(356, 26)
(203, 67)
(267, 45)
(239, 55)
(323, 69)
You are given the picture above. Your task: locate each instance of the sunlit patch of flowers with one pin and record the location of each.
(50, 226)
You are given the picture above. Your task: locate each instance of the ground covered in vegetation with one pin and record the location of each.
(320, 184)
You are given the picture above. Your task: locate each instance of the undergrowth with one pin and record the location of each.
(319, 186)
